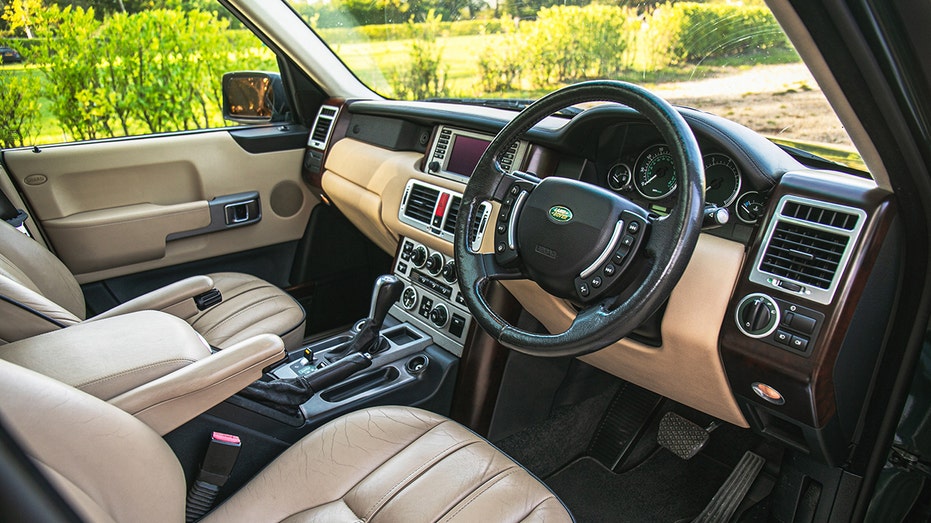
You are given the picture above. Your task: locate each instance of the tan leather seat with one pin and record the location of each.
(380, 464)
(39, 294)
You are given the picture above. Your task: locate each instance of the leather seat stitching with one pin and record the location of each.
(370, 513)
(482, 488)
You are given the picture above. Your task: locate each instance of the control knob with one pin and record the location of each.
(757, 315)
(439, 316)
(434, 264)
(409, 298)
(449, 272)
(419, 256)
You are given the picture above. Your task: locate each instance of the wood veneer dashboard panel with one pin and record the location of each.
(807, 380)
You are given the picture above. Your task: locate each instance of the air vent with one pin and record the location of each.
(452, 215)
(804, 255)
(807, 247)
(829, 217)
(430, 209)
(323, 126)
(420, 203)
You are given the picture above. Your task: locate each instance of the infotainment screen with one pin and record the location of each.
(464, 154)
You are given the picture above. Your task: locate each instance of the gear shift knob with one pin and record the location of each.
(387, 290)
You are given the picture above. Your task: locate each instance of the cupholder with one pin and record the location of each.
(417, 364)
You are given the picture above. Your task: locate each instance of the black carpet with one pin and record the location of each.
(664, 488)
(549, 446)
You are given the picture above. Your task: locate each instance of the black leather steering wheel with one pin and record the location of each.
(610, 256)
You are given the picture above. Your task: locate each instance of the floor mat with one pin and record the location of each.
(664, 488)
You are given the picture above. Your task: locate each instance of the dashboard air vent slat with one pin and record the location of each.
(420, 203)
(452, 215)
(804, 254)
(829, 217)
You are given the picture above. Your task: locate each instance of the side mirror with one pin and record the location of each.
(253, 97)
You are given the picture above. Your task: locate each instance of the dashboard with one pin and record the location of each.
(774, 323)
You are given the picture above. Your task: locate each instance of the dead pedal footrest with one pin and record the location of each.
(680, 436)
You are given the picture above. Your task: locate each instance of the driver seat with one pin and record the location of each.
(378, 464)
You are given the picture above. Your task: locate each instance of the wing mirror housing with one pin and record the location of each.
(254, 97)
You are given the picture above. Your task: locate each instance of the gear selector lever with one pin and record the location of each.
(368, 339)
(387, 290)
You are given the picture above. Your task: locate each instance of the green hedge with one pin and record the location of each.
(698, 32)
(384, 32)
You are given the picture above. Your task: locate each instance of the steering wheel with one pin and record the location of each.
(614, 259)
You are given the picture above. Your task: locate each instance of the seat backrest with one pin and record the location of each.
(107, 464)
(34, 286)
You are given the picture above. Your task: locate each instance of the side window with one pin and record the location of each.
(84, 74)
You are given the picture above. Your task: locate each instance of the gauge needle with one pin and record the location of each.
(650, 179)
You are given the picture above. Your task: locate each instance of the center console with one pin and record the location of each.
(420, 325)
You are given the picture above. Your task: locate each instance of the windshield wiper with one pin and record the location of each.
(511, 104)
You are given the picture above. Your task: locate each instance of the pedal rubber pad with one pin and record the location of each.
(681, 436)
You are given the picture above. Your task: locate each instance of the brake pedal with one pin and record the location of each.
(680, 436)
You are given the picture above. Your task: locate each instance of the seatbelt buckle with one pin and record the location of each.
(220, 458)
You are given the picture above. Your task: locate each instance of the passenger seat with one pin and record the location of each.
(38, 294)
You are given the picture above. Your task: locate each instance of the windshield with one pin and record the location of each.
(727, 58)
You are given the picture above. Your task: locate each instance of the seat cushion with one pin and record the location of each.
(250, 306)
(393, 464)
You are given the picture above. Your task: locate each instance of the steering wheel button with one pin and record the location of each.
(502, 227)
(501, 247)
(596, 282)
(627, 241)
(633, 227)
(515, 190)
(505, 213)
(609, 270)
(583, 289)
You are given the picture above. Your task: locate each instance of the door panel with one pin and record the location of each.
(118, 207)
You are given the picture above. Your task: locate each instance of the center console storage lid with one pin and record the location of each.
(108, 357)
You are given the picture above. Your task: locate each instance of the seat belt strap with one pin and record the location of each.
(214, 472)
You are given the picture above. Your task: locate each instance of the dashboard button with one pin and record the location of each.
(799, 343)
(803, 323)
(782, 337)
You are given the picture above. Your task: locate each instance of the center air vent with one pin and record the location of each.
(430, 208)
(453, 214)
(807, 246)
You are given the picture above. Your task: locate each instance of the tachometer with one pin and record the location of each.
(656, 173)
(722, 179)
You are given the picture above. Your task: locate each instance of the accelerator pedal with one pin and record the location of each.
(725, 502)
(623, 424)
(680, 436)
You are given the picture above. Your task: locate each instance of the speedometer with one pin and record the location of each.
(656, 173)
(722, 179)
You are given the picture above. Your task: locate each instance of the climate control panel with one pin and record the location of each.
(431, 297)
